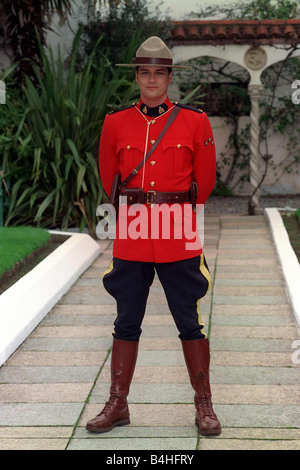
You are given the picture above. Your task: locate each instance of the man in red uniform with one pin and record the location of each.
(185, 155)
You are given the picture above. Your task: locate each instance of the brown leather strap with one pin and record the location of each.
(152, 61)
(138, 196)
(170, 119)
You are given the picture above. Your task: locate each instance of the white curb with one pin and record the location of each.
(28, 301)
(288, 259)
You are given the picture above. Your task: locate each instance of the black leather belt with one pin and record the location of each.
(138, 196)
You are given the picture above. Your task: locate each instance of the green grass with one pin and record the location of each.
(18, 242)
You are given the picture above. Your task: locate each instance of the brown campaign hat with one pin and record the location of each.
(154, 51)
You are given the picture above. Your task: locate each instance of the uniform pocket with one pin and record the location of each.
(178, 153)
(130, 154)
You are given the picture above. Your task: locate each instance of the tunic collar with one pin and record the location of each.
(154, 112)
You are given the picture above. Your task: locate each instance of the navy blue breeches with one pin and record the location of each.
(184, 282)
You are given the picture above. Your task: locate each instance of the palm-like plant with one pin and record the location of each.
(19, 19)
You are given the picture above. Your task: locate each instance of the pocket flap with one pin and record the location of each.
(178, 144)
(128, 145)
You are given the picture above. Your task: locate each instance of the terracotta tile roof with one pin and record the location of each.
(236, 32)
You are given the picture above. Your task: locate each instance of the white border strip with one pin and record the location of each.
(28, 301)
(288, 259)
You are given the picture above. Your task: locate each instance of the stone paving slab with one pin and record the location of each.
(37, 432)
(251, 345)
(44, 392)
(258, 433)
(249, 276)
(55, 358)
(239, 444)
(253, 262)
(283, 332)
(249, 291)
(244, 299)
(246, 252)
(264, 271)
(269, 321)
(45, 374)
(67, 344)
(33, 444)
(80, 319)
(276, 310)
(141, 431)
(248, 282)
(160, 344)
(255, 375)
(134, 444)
(251, 358)
(39, 414)
(84, 309)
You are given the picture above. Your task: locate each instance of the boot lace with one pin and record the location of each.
(109, 405)
(203, 399)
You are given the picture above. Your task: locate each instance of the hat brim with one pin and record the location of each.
(156, 65)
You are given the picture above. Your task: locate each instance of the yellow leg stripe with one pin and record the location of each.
(200, 319)
(205, 271)
(109, 269)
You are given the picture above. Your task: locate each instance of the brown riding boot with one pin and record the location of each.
(197, 358)
(115, 412)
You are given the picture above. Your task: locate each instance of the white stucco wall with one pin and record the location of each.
(277, 181)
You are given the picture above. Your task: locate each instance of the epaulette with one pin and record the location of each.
(191, 108)
(122, 109)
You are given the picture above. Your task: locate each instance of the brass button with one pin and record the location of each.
(152, 142)
(152, 184)
(178, 146)
(153, 121)
(153, 162)
(128, 147)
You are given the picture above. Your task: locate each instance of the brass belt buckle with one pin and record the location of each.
(150, 198)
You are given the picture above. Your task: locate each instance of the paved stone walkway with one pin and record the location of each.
(59, 378)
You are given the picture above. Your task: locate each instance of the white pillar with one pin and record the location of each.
(255, 177)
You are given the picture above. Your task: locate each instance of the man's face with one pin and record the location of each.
(153, 83)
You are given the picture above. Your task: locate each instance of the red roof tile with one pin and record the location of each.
(253, 32)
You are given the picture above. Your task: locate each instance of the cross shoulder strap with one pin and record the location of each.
(170, 119)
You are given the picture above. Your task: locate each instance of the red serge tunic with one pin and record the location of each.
(185, 154)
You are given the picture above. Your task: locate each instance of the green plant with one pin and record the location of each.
(54, 172)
